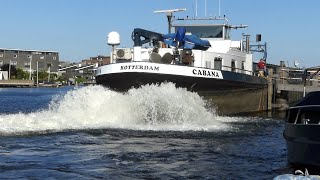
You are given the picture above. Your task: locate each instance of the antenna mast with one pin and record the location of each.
(169, 16)
(205, 8)
(219, 8)
(196, 8)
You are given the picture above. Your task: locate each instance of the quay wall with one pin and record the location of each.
(16, 83)
(290, 84)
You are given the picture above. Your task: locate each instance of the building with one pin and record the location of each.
(84, 69)
(100, 60)
(24, 58)
(89, 66)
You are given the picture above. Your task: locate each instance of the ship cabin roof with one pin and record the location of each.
(219, 31)
(205, 31)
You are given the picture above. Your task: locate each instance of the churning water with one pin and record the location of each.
(152, 107)
(156, 131)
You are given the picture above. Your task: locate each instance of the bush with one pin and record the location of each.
(21, 74)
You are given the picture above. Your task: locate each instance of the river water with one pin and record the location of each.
(154, 132)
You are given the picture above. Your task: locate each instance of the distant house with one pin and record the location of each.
(100, 60)
(85, 69)
(25, 58)
(89, 66)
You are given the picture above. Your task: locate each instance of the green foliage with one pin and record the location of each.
(80, 80)
(21, 74)
(42, 75)
(62, 79)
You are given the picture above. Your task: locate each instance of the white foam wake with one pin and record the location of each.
(151, 107)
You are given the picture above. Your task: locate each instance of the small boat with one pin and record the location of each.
(302, 132)
(199, 56)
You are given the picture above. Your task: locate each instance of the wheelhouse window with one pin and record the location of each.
(204, 31)
(233, 66)
(218, 63)
(227, 33)
(242, 67)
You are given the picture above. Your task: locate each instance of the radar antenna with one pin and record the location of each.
(169, 16)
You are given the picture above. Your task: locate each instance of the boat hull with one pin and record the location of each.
(303, 144)
(123, 76)
(128, 80)
(230, 92)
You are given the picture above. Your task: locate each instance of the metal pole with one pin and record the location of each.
(205, 8)
(219, 8)
(37, 73)
(9, 70)
(304, 82)
(112, 55)
(30, 68)
(169, 16)
(196, 8)
(248, 43)
(49, 74)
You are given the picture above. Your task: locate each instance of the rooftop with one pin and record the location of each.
(27, 50)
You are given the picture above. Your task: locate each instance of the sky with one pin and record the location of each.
(78, 29)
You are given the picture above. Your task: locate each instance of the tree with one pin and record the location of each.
(53, 77)
(62, 79)
(21, 74)
(80, 80)
(42, 75)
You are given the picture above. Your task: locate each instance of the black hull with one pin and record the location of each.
(303, 144)
(126, 80)
(229, 92)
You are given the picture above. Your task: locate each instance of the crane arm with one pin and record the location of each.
(148, 36)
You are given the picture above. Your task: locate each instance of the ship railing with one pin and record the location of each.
(239, 70)
(296, 76)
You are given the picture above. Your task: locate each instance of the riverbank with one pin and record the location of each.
(16, 83)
